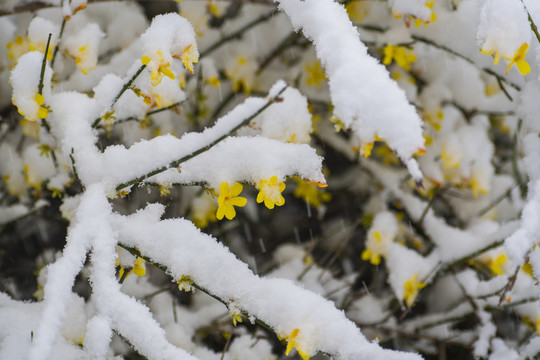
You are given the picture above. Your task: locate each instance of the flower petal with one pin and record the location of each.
(235, 190)
(220, 212)
(230, 213)
(269, 204)
(224, 188)
(523, 67)
(239, 201)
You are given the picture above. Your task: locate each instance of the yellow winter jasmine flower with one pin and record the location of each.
(241, 71)
(215, 9)
(84, 59)
(42, 111)
(203, 210)
(293, 343)
(16, 49)
(365, 148)
(315, 74)
(373, 254)
(357, 10)
(214, 81)
(338, 124)
(310, 193)
(495, 264)
(412, 286)
(158, 67)
(41, 46)
(185, 283)
(228, 199)
(435, 118)
(401, 55)
(528, 269)
(450, 159)
(270, 192)
(478, 185)
(519, 59)
(189, 56)
(138, 268)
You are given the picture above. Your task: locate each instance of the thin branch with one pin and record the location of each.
(455, 53)
(150, 113)
(124, 88)
(163, 268)
(495, 201)
(238, 33)
(43, 66)
(203, 148)
(533, 25)
(59, 39)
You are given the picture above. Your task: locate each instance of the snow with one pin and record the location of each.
(347, 64)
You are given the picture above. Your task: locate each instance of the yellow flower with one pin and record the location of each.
(189, 56)
(412, 286)
(242, 72)
(203, 210)
(338, 124)
(357, 9)
(138, 268)
(478, 184)
(401, 55)
(528, 269)
(41, 46)
(293, 343)
(270, 192)
(373, 254)
(495, 264)
(365, 148)
(451, 157)
(315, 74)
(158, 67)
(310, 193)
(185, 283)
(42, 111)
(519, 59)
(228, 199)
(16, 49)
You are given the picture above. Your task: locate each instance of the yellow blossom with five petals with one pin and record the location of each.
(228, 199)
(138, 268)
(293, 343)
(270, 192)
(158, 67)
(519, 59)
(401, 55)
(412, 287)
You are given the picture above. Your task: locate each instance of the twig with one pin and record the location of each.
(455, 53)
(515, 169)
(510, 285)
(238, 33)
(43, 65)
(150, 113)
(124, 88)
(59, 39)
(495, 201)
(533, 25)
(428, 206)
(163, 268)
(203, 148)
(289, 40)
